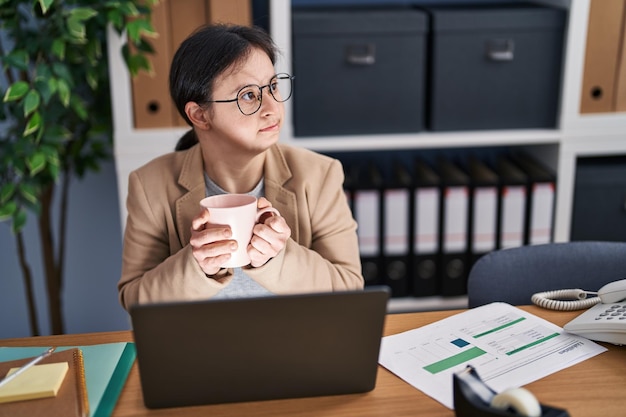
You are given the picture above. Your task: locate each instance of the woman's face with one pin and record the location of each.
(230, 130)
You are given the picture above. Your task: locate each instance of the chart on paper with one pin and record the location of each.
(506, 345)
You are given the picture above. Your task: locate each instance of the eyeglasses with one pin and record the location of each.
(250, 97)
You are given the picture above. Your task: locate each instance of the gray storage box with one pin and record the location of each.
(599, 209)
(358, 71)
(495, 67)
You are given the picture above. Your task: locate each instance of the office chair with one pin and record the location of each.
(513, 275)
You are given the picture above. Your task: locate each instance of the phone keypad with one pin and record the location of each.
(612, 312)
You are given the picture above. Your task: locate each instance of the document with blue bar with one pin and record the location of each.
(508, 346)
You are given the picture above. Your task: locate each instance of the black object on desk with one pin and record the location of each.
(472, 398)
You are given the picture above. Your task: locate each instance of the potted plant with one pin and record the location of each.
(55, 115)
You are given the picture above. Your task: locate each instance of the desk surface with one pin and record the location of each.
(592, 388)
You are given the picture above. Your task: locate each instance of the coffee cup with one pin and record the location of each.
(239, 211)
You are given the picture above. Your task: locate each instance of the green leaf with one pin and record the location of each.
(144, 46)
(138, 28)
(44, 90)
(79, 107)
(33, 124)
(31, 102)
(116, 19)
(19, 220)
(93, 51)
(58, 48)
(52, 156)
(136, 63)
(76, 28)
(28, 191)
(16, 91)
(92, 79)
(7, 210)
(83, 13)
(53, 85)
(63, 90)
(17, 58)
(6, 192)
(63, 72)
(43, 70)
(45, 5)
(54, 168)
(129, 9)
(55, 135)
(36, 163)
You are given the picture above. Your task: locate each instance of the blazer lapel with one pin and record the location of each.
(188, 206)
(277, 173)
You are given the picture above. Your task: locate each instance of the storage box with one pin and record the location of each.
(495, 67)
(599, 209)
(358, 71)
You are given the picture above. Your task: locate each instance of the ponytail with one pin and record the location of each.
(186, 141)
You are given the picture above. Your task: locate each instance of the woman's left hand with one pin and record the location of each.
(269, 236)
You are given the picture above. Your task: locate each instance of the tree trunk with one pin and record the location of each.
(53, 280)
(28, 285)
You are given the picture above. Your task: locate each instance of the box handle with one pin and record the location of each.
(362, 54)
(500, 49)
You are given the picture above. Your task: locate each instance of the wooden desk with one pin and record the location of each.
(592, 388)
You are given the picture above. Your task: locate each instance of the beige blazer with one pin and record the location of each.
(306, 188)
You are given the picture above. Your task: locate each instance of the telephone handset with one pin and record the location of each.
(605, 321)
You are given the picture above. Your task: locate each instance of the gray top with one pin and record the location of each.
(241, 285)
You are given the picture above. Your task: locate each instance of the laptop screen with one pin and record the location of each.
(250, 349)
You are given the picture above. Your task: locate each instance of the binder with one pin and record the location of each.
(106, 368)
(396, 230)
(511, 204)
(367, 210)
(425, 265)
(604, 37)
(540, 199)
(454, 228)
(483, 209)
(185, 16)
(348, 185)
(620, 78)
(152, 105)
(71, 399)
(231, 11)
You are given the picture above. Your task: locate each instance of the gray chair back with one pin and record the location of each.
(513, 275)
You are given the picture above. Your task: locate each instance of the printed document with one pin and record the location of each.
(508, 346)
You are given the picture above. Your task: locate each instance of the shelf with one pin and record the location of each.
(428, 140)
(576, 134)
(411, 304)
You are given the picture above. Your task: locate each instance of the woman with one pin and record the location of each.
(224, 85)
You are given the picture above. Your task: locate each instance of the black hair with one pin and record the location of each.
(204, 55)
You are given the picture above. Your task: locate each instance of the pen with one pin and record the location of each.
(28, 365)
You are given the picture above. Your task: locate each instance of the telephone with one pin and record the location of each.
(605, 321)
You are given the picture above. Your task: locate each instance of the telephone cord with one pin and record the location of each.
(565, 300)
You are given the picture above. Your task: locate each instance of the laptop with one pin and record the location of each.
(261, 348)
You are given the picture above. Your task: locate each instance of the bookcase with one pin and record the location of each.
(576, 135)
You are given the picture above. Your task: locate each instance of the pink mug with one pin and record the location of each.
(239, 211)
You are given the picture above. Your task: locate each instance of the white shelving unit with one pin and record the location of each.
(577, 135)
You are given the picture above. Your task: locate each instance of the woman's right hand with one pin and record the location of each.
(210, 244)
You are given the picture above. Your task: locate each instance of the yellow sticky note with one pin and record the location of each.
(39, 381)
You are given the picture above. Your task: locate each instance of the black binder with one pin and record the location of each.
(425, 265)
(454, 227)
(483, 213)
(367, 197)
(349, 184)
(397, 229)
(541, 192)
(511, 203)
